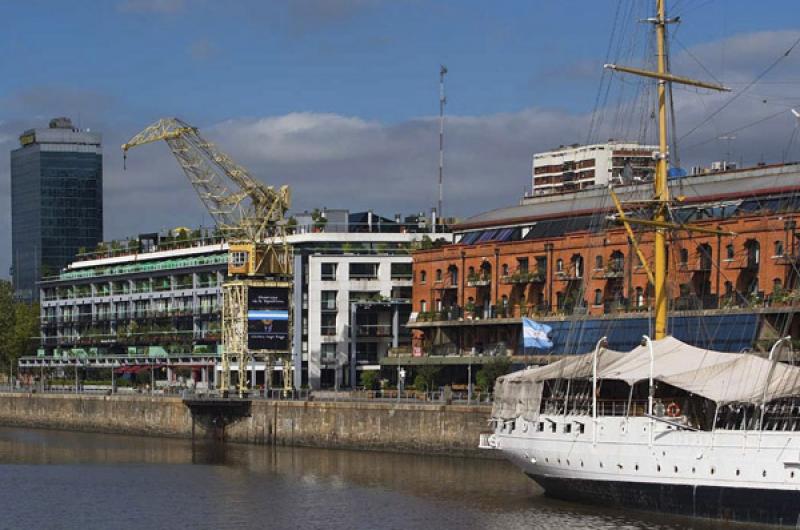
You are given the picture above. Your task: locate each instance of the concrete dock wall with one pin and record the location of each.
(416, 428)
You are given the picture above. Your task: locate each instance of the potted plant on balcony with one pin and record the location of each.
(469, 312)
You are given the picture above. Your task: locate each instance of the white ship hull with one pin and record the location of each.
(738, 475)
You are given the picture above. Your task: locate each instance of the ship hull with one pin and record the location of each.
(774, 507)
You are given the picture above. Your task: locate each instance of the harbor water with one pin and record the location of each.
(51, 479)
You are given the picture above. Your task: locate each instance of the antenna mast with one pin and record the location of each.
(442, 103)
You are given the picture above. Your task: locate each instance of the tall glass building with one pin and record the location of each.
(56, 201)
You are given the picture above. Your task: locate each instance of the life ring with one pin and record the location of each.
(673, 410)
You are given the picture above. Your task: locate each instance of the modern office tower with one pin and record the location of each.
(56, 201)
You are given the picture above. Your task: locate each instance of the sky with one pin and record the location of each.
(339, 98)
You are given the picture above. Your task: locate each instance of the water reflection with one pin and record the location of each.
(137, 482)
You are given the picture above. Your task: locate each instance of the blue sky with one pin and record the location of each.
(338, 97)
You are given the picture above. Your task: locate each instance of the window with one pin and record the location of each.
(471, 272)
(423, 306)
(238, 259)
(328, 271)
(598, 297)
(401, 271)
(328, 300)
(541, 265)
(777, 286)
(522, 264)
(328, 324)
(423, 276)
(560, 265)
(452, 275)
(327, 352)
(684, 257)
(730, 253)
(363, 271)
(639, 297)
(438, 275)
(504, 269)
(598, 262)
(778, 248)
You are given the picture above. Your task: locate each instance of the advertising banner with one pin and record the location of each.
(268, 318)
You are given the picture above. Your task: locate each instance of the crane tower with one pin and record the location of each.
(256, 310)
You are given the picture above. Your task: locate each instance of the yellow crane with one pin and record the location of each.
(251, 215)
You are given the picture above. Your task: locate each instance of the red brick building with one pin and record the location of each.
(469, 296)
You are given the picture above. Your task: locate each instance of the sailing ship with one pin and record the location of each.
(667, 426)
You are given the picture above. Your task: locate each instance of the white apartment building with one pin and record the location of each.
(576, 167)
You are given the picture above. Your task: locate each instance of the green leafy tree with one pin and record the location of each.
(369, 380)
(426, 378)
(490, 371)
(19, 326)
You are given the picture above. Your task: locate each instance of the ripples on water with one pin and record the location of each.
(52, 479)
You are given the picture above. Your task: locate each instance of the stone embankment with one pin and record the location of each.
(385, 426)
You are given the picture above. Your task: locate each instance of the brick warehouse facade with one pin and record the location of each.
(469, 297)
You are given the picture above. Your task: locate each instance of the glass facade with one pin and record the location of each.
(56, 203)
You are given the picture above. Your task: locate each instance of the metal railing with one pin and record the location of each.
(441, 397)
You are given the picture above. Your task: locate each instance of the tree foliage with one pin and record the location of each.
(426, 378)
(490, 371)
(19, 326)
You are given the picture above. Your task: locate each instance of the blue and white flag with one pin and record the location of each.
(534, 334)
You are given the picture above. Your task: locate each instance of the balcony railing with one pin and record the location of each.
(479, 280)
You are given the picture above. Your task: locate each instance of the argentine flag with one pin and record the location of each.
(534, 335)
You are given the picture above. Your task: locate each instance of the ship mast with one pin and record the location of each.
(660, 219)
(660, 183)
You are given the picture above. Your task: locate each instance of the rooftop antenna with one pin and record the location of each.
(442, 102)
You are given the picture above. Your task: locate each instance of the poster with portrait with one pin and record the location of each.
(268, 319)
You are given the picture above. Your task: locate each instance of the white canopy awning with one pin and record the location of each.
(720, 377)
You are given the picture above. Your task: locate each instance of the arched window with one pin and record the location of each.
(598, 297)
(704, 255)
(753, 249)
(730, 252)
(560, 265)
(617, 261)
(778, 248)
(423, 277)
(504, 269)
(598, 262)
(684, 257)
(438, 275)
(577, 265)
(453, 274)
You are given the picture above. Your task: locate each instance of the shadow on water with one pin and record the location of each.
(297, 487)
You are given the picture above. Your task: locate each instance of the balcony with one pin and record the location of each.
(479, 280)
(523, 277)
